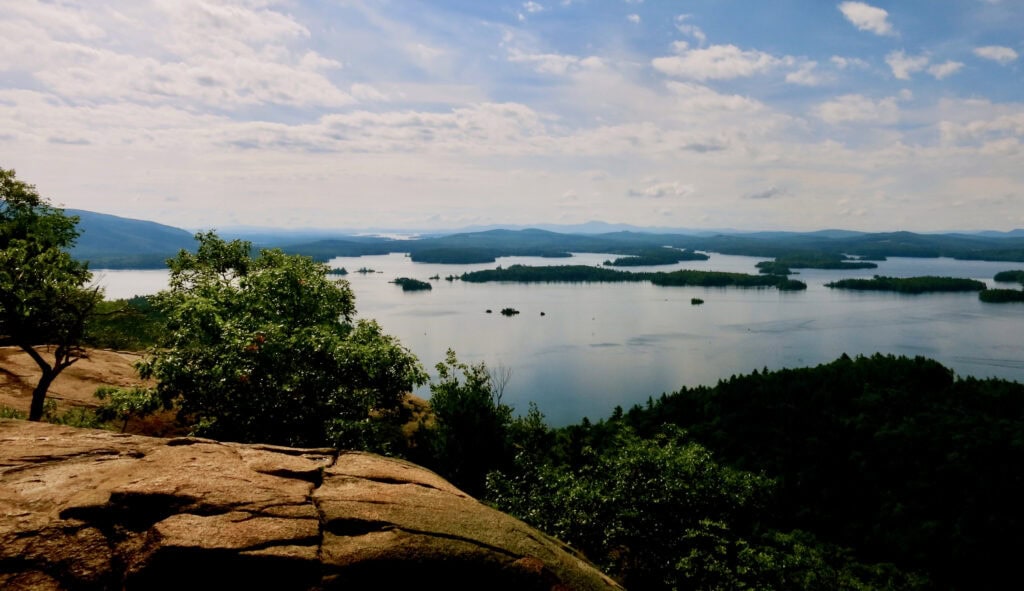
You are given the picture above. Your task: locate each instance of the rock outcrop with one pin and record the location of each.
(86, 509)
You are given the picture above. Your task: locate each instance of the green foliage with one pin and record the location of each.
(408, 284)
(43, 298)
(1001, 296)
(129, 325)
(75, 416)
(470, 434)
(1015, 276)
(661, 513)
(265, 349)
(914, 285)
(892, 457)
(123, 404)
(6, 412)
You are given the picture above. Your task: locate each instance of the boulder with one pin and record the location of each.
(88, 509)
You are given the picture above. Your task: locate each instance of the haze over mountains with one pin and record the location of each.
(109, 241)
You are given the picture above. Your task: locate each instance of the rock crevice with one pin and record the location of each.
(84, 509)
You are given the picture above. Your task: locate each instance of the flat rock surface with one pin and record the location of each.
(87, 509)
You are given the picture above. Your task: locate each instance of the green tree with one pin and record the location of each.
(43, 295)
(266, 349)
(470, 435)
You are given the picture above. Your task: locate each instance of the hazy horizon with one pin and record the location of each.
(720, 114)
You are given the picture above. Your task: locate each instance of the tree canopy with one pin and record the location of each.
(266, 348)
(43, 295)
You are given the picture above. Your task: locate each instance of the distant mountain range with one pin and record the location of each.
(109, 241)
(116, 242)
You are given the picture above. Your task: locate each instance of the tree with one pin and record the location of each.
(471, 424)
(266, 349)
(43, 295)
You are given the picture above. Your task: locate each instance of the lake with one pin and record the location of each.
(602, 345)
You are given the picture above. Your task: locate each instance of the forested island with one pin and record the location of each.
(587, 274)
(1014, 276)
(408, 284)
(784, 265)
(911, 285)
(657, 256)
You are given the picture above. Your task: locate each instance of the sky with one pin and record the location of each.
(402, 114)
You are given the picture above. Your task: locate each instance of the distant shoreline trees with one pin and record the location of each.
(910, 285)
(587, 274)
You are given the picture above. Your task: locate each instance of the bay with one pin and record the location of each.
(598, 346)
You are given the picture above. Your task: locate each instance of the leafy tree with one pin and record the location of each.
(266, 349)
(470, 435)
(43, 298)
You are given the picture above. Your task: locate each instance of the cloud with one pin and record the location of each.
(867, 18)
(996, 53)
(904, 65)
(225, 55)
(532, 7)
(805, 75)
(718, 62)
(856, 108)
(940, 71)
(692, 30)
(662, 190)
(554, 63)
(768, 193)
(847, 62)
(633, 18)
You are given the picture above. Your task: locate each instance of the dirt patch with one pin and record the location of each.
(75, 386)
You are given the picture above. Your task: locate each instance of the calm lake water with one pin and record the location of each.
(602, 345)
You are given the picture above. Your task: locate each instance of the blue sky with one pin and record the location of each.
(426, 115)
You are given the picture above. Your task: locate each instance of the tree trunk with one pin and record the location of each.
(39, 394)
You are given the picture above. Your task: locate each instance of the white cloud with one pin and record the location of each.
(532, 7)
(692, 30)
(554, 63)
(867, 18)
(940, 71)
(848, 62)
(223, 55)
(662, 190)
(718, 62)
(633, 18)
(904, 65)
(997, 53)
(805, 75)
(856, 108)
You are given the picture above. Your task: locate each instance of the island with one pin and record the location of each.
(408, 284)
(1015, 276)
(1001, 296)
(656, 256)
(586, 274)
(784, 265)
(911, 285)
